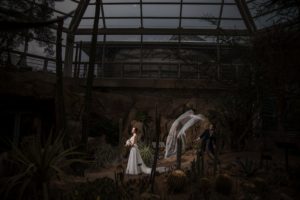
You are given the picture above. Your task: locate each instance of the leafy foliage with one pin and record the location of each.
(27, 11)
(35, 165)
(104, 155)
(235, 113)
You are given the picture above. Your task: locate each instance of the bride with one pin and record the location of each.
(135, 163)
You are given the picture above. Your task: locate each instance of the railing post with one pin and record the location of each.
(122, 70)
(84, 70)
(198, 71)
(45, 65)
(179, 71)
(76, 60)
(79, 60)
(159, 71)
(236, 72)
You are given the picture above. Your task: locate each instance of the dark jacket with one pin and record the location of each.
(208, 140)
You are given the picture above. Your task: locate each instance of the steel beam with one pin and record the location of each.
(79, 12)
(160, 31)
(246, 15)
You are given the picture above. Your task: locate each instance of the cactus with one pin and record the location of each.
(205, 184)
(224, 184)
(200, 164)
(119, 175)
(205, 187)
(177, 180)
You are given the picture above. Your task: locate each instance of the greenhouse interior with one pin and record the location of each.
(150, 99)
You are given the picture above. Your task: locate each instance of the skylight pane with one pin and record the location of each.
(123, 23)
(200, 11)
(161, 10)
(161, 23)
(231, 11)
(88, 23)
(90, 11)
(197, 23)
(83, 38)
(121, 10)
(232, 24)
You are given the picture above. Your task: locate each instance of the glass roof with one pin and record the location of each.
(166, 17)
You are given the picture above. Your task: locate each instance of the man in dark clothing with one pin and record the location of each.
(208, 140)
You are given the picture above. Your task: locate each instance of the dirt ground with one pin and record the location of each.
(226, 159)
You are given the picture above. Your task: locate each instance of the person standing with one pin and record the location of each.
(209, 142)
(135, 164)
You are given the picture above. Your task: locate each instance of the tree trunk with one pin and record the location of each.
(23, 60)
(90, 78)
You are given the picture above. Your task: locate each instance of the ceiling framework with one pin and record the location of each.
(245, 13)
(142, 29)
(79, 12)
(137, 22)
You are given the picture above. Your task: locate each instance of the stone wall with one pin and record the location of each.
(115, 103)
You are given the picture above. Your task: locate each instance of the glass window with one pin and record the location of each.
(122, 10)
(198, 23)
(161, 23)
(232, 24)
(161, 10)
(123, 23)
(231, 11)
(88, 23)
(200, 10)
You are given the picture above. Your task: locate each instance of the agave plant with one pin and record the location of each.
(248, 168)
(147, 154)
(36, 165)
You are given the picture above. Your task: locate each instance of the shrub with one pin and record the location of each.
(147, 154)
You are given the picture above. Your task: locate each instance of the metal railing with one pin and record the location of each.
(134, 69)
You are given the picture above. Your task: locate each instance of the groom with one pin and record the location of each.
(209, 141)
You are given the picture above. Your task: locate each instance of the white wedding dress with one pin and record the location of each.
(135, 163)
(178, 130)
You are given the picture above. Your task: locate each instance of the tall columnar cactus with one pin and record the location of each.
(199, 164)
(177, 180)
(205, 186)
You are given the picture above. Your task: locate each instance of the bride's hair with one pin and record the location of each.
(135, 129)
